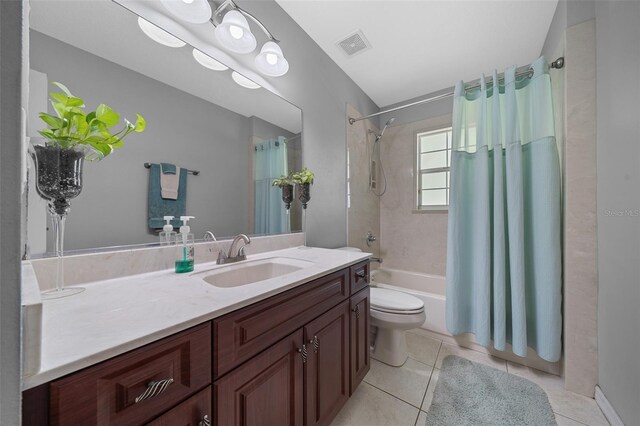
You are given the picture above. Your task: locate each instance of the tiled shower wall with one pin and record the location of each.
(363, 208)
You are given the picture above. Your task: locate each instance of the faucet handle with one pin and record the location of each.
(221, 256)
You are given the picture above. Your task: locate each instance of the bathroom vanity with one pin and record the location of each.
(293, 357)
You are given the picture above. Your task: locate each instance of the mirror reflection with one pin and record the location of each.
(218, 142)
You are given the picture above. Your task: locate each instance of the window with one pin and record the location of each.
(433, 160)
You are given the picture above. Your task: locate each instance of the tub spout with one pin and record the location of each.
(377, 259)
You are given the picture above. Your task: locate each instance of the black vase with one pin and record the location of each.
(58, 175)
(287, 195)
(304, 194)
(58, 179)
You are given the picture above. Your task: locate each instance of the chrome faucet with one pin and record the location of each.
(240, 255)
(209, 236)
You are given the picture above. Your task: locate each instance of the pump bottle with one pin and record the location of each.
(186, 248)
(168, 235)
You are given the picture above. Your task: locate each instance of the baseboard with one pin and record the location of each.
(607, 409)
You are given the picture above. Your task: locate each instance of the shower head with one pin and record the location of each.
(389, 122)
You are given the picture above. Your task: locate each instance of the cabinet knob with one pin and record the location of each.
(154, 389)
(356, 310)
(316, 344)
(205, 421)
(303, 353)
(361, 274)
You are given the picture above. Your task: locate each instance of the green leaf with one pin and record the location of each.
(107, 116)
(118, 143)
(141, 124)
(47, 134)
(60, 97)
(63, 88)
(75, 102)
(104, 148)
(54, 122)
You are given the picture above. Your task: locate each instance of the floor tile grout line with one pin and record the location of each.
(427, 388)
(396, 397)
(570, 418)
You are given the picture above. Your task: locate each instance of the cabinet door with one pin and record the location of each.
(267, 390)
(327, 366)
(360, 352)
(195, 411)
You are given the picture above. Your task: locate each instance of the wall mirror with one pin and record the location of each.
(198, 118)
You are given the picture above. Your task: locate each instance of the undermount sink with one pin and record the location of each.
(250, 272)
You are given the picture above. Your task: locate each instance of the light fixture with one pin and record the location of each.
(159, 35)
(193, 11)
(234, 33)
(208, 62)
(244, 81)
(271, 61)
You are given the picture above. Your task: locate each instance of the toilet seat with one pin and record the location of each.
(395, 302)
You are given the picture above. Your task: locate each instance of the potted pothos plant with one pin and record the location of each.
(72, 135)
(285, 183)
(304, 180)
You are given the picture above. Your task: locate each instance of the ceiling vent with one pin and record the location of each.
(353, 43)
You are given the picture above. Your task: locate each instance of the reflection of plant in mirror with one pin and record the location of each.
(283, 181)
(303, 176)
(72, 126)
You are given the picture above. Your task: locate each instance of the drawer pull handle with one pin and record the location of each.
(357, 311)
(361, 275)
(205, 421)
(316, 344)
(303, 353)
(154, 389)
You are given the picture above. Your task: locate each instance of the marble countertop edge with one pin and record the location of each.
(71, 319)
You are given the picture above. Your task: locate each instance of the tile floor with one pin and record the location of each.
(402, 396)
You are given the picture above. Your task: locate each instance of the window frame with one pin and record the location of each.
(418, 172)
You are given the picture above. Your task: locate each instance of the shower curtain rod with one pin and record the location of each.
(557, 64)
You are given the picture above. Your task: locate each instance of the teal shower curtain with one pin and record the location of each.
(270, 215)
(504, 260)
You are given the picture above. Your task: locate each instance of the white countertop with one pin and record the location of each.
(114, 316)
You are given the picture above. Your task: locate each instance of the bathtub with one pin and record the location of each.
(428, 288)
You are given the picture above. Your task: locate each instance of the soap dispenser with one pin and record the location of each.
(168, 235)
(185, 241)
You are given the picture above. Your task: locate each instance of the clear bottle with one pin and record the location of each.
(168, 235)
(186, 247)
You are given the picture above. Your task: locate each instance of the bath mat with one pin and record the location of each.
(468, 393)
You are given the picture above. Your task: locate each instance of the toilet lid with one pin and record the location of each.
(393, 301)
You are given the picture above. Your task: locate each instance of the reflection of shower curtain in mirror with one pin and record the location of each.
(270, 216)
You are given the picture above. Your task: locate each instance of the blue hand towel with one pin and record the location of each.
(168, 168)
(158, 207)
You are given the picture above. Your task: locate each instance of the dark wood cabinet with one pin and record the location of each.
(359, 337)
(246, 332)
(266, 390)
(360, 276)
(327, 367)
(135, 387)
(291, 359)
(195, 411)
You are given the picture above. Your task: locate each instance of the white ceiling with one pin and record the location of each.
(422, 46)
(111, 32)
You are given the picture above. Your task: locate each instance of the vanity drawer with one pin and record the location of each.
(360, 276)
(106, 394)
(195, 411)
(242, 334)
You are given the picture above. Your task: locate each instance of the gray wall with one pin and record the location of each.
(618, 167)
(181, 129)
(13, 94)
(318, 86)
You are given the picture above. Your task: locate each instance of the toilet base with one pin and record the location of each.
(390, 347)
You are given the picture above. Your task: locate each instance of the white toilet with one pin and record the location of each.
(392, 313)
